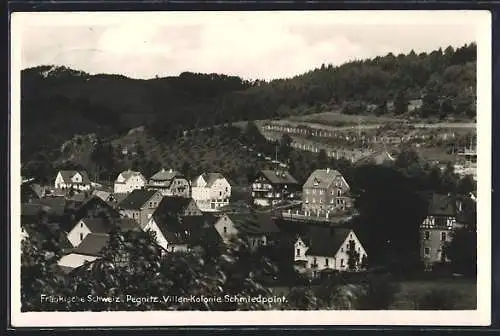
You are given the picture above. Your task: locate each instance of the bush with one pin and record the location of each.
(379, 293)
(439, 299)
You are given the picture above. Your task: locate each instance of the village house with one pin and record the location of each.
(176, 207)
(140, 205)
(272, 187)
(437, 228)
(326, 190)
(94, 207)
(211, 191)
(329, 248)
(181, 234)
(72, 179)
(106, 196)
(257, 229)
(170, 183)
(100, 225)
(89, 250)
(129, 181)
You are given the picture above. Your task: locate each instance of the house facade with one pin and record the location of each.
(437, 228)
(129, 181)
(72, 179)
(140, 205)
(211, 191)
(323, 249)
(326, 190)
(170, 183)
(272, 187)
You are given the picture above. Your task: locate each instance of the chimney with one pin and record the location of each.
(171, 170)
(327, 170)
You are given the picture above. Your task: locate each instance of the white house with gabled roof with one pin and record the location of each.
(129, 181)
(211, 191)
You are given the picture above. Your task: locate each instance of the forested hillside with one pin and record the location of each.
(58, 102)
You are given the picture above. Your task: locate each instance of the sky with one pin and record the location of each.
(252, 45)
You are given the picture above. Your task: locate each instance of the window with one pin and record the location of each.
(443, 236)
(339, 192)
(321, 201)
(150, 204)
(220, 193)
(326, 262)
(225, 230)
(81, 224)
(298, 252)
(427, 251)
(341, 262)
(427, 235)
(342, 249)
(315, 261)
(81, 236)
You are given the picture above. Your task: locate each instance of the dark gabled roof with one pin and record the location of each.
(171, 206)
(190, 230)
(54, 205)
(104, 195)
(67, 175)
(127, 224)
(97, 225)
(324, 178)
(325, 241)
(253, 223)
(105, 226)
(279, 177)
(442, 205)
(136, 199)
(79, 198)
(119, 197)
(92, 244)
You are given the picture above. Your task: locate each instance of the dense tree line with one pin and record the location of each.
(59, 102)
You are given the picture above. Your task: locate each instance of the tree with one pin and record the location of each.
(186, 169)
(462, 251)
(466, 185)
(285, 146)
(353, 256)
(407, 158)
(401, 103)
(130, 257)
(322, 158)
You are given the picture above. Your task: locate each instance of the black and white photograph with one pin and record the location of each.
(250, 168)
